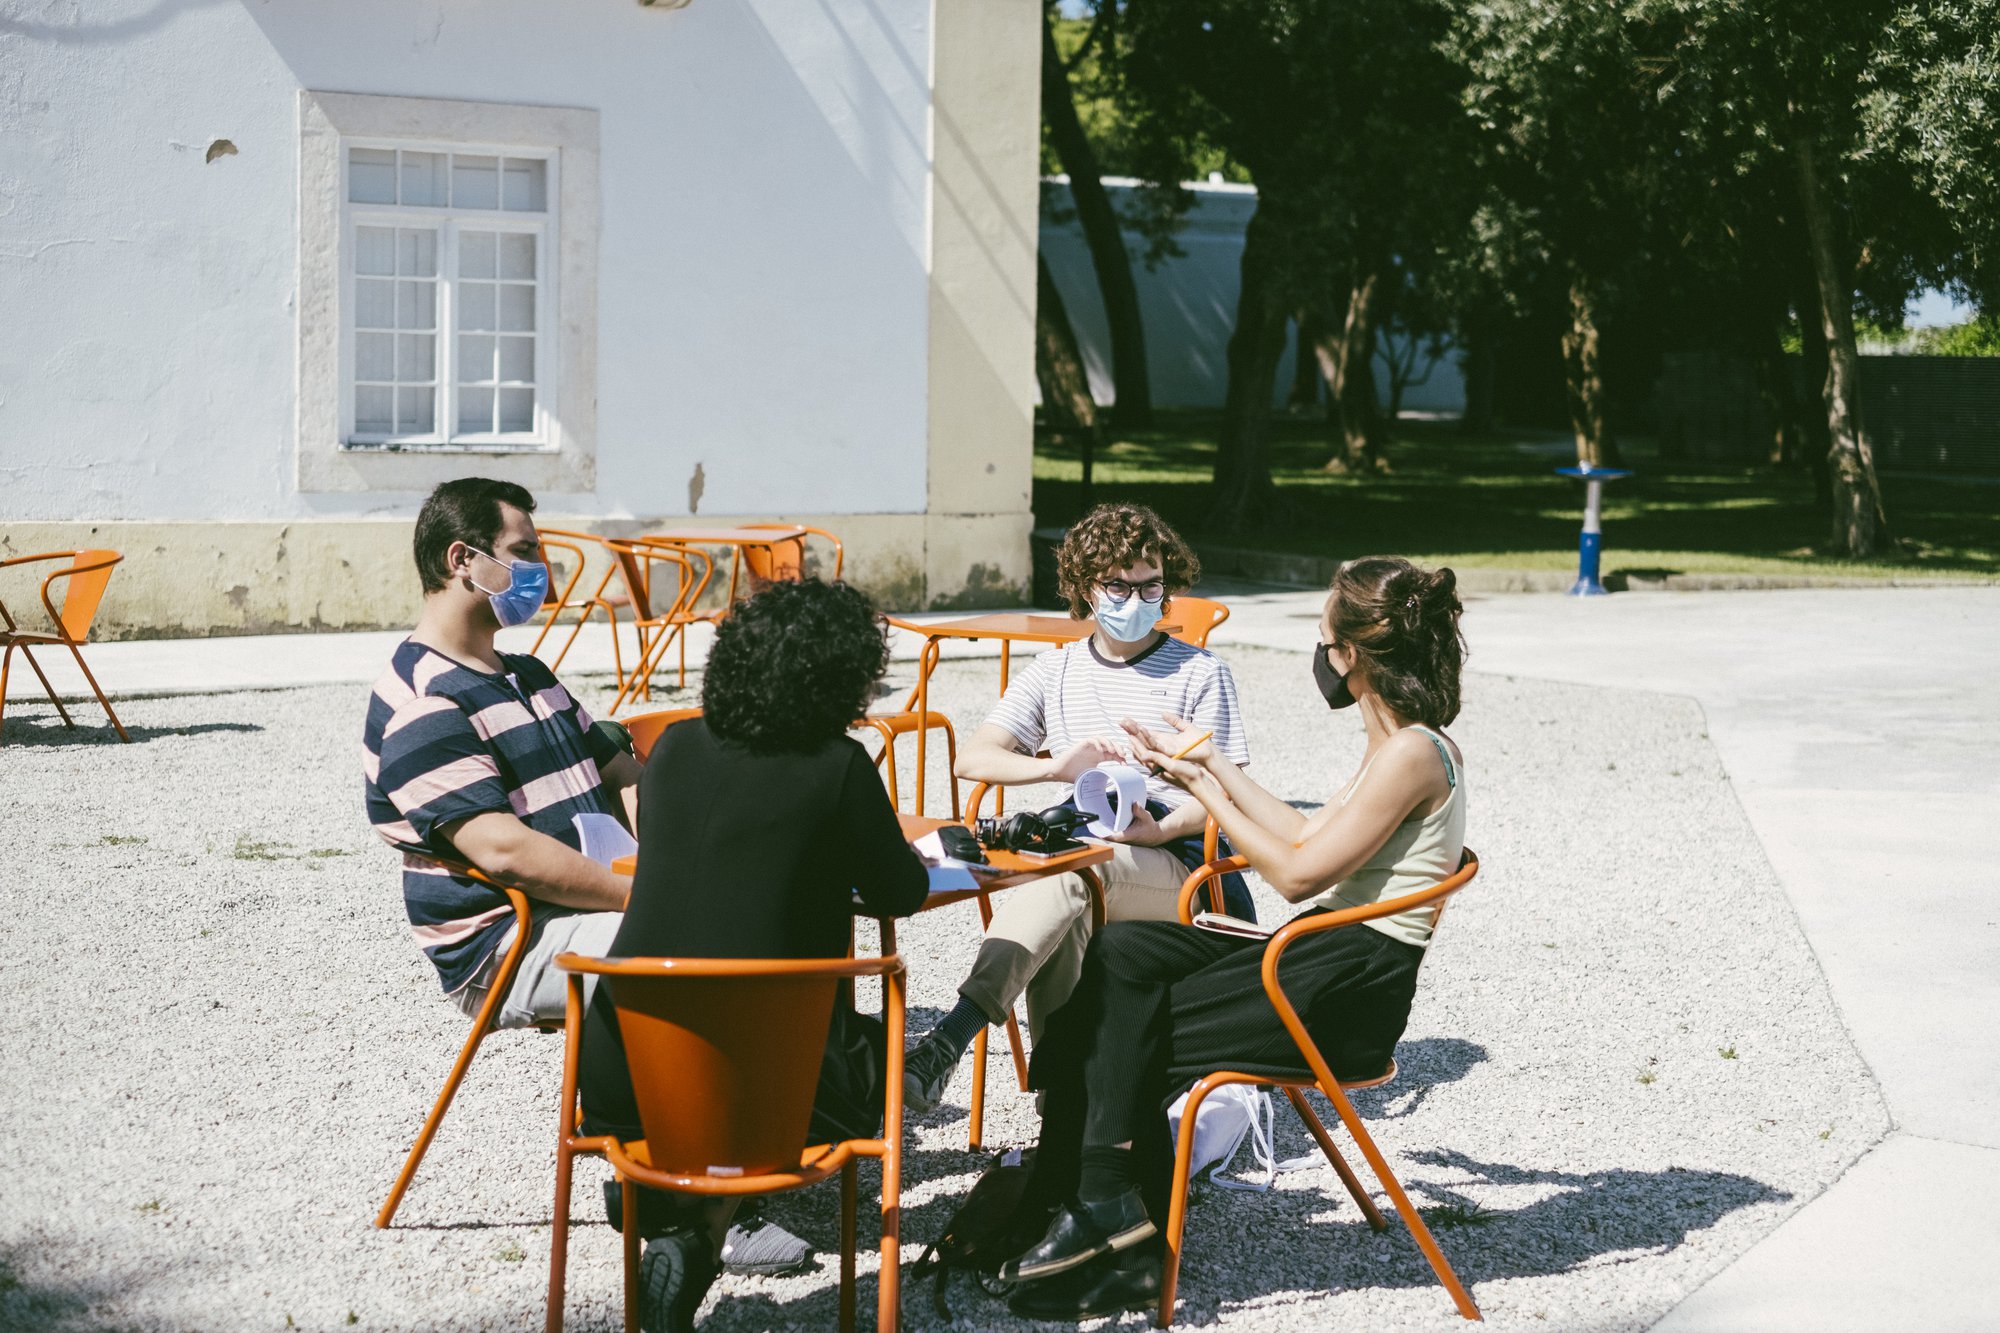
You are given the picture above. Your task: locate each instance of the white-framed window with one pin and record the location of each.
(445, 257)
(447, 293)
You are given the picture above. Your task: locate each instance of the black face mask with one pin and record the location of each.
(1332, 685)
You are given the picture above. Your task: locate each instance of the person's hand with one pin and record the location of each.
(1174, 741)
(1146, 750)
(1143, 831)
(1085, 755)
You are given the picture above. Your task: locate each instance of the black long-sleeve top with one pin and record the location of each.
(745, 855)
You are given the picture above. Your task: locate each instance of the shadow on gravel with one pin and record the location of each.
(1420, 1066)
(31, 1305)
(47, 732)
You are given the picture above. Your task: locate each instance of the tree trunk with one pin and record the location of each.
(1583, 369)
(1860, 526)
(1305, 368)
(1059, 370)
(1344, 346)
(1257, 344)
(1817, 442)
(1134, 406)
(1774, 388)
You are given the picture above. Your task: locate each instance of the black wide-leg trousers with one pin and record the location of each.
(1160, 1004)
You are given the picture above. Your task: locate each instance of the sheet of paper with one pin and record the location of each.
(1109, 794)
(603, 838)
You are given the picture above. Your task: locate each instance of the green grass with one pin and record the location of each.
(1494, 501)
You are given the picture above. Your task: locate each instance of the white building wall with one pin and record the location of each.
(1188, 303)
(762, 293)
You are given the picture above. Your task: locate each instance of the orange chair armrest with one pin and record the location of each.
(1202, 875)
(42, 555)
(884, 965)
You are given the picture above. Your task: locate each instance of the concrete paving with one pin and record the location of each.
(1856, 726)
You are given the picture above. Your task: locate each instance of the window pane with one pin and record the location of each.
(415, 411)
(517, 359)
(475, 411)
(374, 303)
(517, 306)
(527, 185)
(475, 254)
(517, 255)
(475, 357)
(475, 305)
(416, 357)
(416, 253)
(371, 175)
(416, 305)
(475, 182)
(372, 411)
(517, 410)
(375, 250)
(424, 179)
(374, 356)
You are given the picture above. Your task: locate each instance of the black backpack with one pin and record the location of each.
(993, 1224)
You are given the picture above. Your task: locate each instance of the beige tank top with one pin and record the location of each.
(1422, 850)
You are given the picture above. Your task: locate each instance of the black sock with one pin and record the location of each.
(1107, 1173)
(957, 1029)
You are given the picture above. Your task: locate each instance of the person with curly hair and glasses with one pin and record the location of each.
(1122, 565)
(1160, 1004)
(763, 827)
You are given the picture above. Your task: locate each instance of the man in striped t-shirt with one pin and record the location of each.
(483, 755)
(1059, 718)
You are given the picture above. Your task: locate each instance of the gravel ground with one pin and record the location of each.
(1622, 1070)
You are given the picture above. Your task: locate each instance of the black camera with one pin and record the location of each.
(1044, 832)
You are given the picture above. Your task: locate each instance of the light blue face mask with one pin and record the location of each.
(527, 588)
(1128, 621)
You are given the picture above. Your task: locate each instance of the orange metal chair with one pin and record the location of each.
(557, 600)
(1321, 1078)
(786, 561)
(629, 562)
(503, 981)
(901, 723)
(646, 728)
(87, 575)
(725, 1056)
(1192, 619)
(661, 621)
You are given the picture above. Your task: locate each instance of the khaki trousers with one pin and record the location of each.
(1036, 942)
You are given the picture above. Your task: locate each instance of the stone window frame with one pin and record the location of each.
(327, 123)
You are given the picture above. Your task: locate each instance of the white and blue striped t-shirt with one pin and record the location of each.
(1074, 692)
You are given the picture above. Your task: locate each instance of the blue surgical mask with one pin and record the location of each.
(1128, 621)
(527, 588)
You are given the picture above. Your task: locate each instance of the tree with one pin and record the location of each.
(1059, 370)
(1102, 232)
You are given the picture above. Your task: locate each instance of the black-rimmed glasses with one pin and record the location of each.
(1152, 590)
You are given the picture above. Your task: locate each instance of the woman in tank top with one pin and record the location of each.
(1160, 1004)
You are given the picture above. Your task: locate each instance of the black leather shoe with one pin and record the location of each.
(1081, 1232)
(1106, 1285)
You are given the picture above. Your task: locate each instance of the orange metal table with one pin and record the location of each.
(734, 538)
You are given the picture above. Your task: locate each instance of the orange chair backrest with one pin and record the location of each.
(82, 591)
(646, 728)
(1190, 619)
(724, 1068)
(558, 593)
(780, 562)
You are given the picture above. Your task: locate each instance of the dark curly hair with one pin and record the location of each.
(1402, 623)
(793, 666)
(1113, 537)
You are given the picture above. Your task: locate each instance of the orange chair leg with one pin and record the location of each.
(630, 1191)
(47, 688)
(889, 1289)
(436, 1117)
(975, 1119)
(1020, 1052)
(1170, 1263)
(1407, 1210)
(559, 1234)
(1339, 1163)
(847, 1201)
(94, 689)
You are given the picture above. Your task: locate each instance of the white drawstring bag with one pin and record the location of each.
(1228, 1116)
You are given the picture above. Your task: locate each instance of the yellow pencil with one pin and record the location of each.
(1185, 749)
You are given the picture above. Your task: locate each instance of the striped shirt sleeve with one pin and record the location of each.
(435, 768)
(1214, 708)
(1023, 711)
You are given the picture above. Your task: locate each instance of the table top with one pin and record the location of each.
(1015, 869)
(729, 536)
(1003, 625)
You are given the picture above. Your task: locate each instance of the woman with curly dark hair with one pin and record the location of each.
(1160, 1004)
(759, 822)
